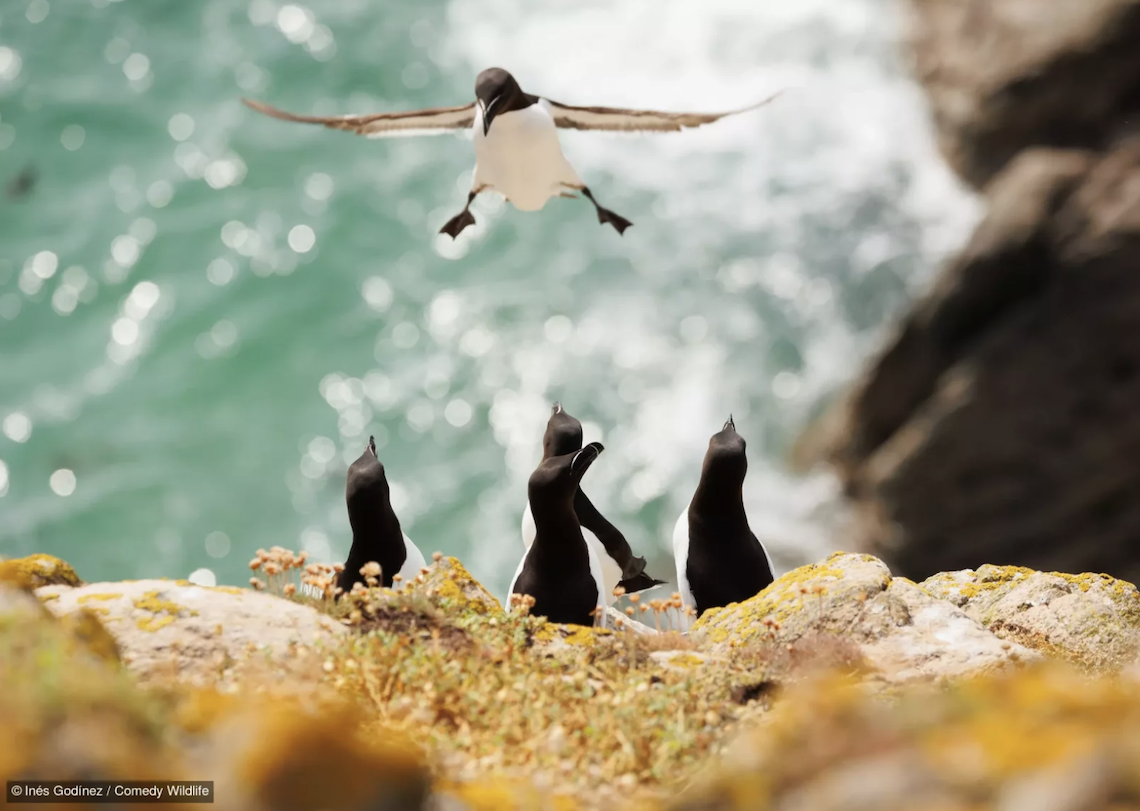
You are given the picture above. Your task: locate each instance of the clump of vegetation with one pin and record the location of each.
(492, 695)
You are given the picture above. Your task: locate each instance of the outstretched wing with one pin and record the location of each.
(622, 120)
(381, 125)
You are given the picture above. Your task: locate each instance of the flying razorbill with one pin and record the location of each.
(520, 157)
(376, 532)
(719, 560)
(620, 567)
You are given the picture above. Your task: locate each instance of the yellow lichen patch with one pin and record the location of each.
(86, 598)
(683, 660)
(227, 589)
(38, 570)
(1118, 589)
(570, 634)
(452, 582)
(300, 759)
(968, 584)
(164, 611)
(155, 623)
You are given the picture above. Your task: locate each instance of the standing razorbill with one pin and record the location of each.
(619, 565)
(560, 571)
(376, 533)
(719, 560)
(520, 157)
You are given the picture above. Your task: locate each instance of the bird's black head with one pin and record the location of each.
(495, 91)
(725, 457)
(366, 491)
(563, 434)
(557, 478)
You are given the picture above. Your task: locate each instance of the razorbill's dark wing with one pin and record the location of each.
(623, 120)
(381, 125)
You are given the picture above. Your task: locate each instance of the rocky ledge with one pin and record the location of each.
(974, 689)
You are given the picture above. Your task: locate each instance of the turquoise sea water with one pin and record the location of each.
(204, 313)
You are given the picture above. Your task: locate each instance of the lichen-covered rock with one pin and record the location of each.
(1029, 740)
(38, 570)
(449, 582)
(902, 632)
(166, 627)
(1090, 619)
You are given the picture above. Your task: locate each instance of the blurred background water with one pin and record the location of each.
(204, 313)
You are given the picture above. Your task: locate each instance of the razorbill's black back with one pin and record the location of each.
(559, 571)
(719, 560)
(376, 533)
(517, 152)
(620, 567)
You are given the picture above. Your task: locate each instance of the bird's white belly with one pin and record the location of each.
(521, 158)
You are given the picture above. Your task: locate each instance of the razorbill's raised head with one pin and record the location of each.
(719, 560)
(559, 571)
(517, 152)
(563, 433)
(620, 567)
(376, 533)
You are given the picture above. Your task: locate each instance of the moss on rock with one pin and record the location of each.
(457, 591)
(38, 570)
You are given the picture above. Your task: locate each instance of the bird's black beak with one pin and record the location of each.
(372, 445)
(729, 424)
(488, 113)
(557, 409)
(584, 458)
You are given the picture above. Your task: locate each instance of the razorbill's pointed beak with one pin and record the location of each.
(729, 424)
(585, 457)
(372, 445)
(557, 409)
(488, 114)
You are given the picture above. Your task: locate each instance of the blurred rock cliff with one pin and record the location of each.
(1001, 421)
